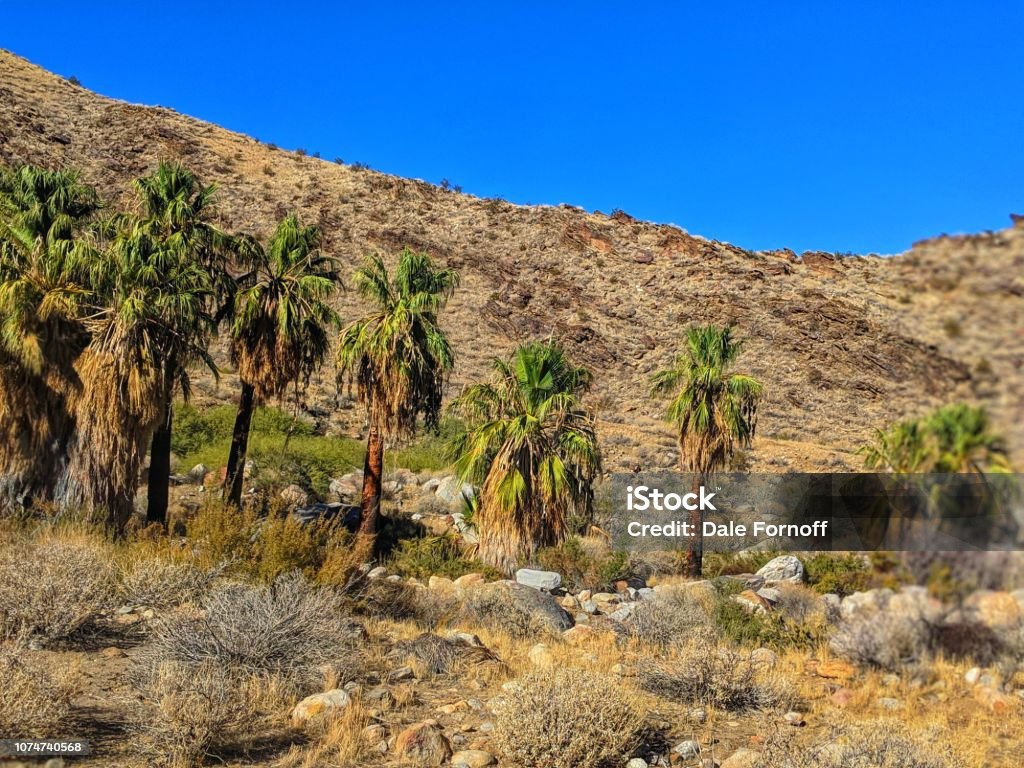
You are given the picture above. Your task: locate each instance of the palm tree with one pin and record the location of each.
(153, 305)
(175, 215)
(713, 411)
(397, 356)
(955, 438)
(530, 444)
(44, 271)
(281, 328)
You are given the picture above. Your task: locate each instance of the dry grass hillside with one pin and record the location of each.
(844, 345)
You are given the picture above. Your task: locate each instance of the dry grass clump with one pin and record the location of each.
(671, 617)
(884, 640)
(341, 743)
(723, 677)
(872, 744)
(160, 583)
(290, 630)
(53, 589)
(400, 601)
(35, 698)
(443, 656)
(204, 710)
(564, 719)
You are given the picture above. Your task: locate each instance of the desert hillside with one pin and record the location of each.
(844, 345)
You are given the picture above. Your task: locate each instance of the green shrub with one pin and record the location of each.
(584, 564)
(730, 563)
(434, 556)
(775, 629)
(845, 574)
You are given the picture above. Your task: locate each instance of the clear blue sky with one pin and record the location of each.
(853, 126)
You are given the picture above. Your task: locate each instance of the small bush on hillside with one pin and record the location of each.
(844, 574)
(584, 563)
(874, 744)
(223, 533)
(433, 556)
(717, 564)
(444, 655)
(399, 601)
(884, 640)
(286, 544)
(36, 697)
(289, 630)
(723, 677)
(496, 608)
(53, 589)
(564, 719)
(671, 617)
(202, 710)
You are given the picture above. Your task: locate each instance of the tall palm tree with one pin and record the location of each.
(176, 212)
(713, 411)
(281, 329)
(530, 444)
(44, 268)
(397, 356)
(154, 305)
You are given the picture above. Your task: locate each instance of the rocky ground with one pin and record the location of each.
(741, 671)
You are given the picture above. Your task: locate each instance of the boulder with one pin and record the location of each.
(579, 635)
(742, 758)
(782, 568)
(423, 744)
(197, 473)
(864, 603)
(541, 605)
(469, 580)
(546, 580)
(540, 656)
(998, 611)
(294, 496)
(687, 750)
(320, 705)
(473, 758)
(453, 491)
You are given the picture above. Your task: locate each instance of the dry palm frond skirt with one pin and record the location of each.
(117, 411)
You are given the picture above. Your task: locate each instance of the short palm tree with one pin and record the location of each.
(398, 357)
(530, 444)
(954, 438)
(176, 212)
(281, 329)
(44, 284)
(713, 411)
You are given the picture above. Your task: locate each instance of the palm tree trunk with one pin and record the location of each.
(373, 470)
(695, 544)
(157, 491)
(240, 445)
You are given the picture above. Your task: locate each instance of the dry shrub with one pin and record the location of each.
(671, 617)
(35, 698)
(800, 603)
(290, 630)
(885, 640)
(53, 589)
(223, 533)
(564, 719)
(286, 544)
(203, 710)
(872, 744)
(400, 601)
(494, 607)
(160, 583)
(723, 677)
(442, 655)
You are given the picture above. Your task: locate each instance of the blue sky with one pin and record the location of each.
(812, 125)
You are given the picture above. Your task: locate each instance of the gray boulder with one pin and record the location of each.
(782, 568)
(547, 580)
